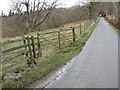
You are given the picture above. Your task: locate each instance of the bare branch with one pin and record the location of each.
(36, 11)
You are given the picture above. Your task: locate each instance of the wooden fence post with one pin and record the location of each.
(84, 26)
(88, 23)
(30, 51)
(39, 46)
(33, 46)
(24, 41)
(59, 39)
(73, 30)
(80, 29)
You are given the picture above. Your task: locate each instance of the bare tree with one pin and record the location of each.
(32, 13)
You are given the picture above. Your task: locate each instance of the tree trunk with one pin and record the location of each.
(28, 17)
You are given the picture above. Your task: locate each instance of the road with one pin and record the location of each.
(97, 65)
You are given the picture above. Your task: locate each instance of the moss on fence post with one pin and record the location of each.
(80, 29)
(24, 41)
(39, 46)
(73, 31)
(33, 46)
(30, 52)
(59, 40)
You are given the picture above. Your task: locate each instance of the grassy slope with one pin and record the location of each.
(47, 65)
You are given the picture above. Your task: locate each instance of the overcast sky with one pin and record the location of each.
(5, 5)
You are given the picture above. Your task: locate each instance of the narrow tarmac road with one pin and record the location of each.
(97, 65)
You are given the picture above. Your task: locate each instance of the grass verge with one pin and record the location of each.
(47, 65)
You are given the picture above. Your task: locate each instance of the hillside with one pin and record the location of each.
(9, 28)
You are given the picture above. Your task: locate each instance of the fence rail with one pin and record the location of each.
(14, 48)
(10, 41)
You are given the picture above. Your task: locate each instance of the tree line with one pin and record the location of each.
(38, 16)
